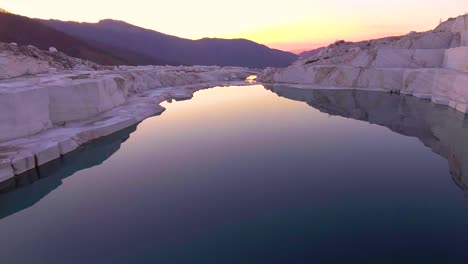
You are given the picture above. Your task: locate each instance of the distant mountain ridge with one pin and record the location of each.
(144, 46)
(25, 31)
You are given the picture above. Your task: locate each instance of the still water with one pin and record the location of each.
(255, 175)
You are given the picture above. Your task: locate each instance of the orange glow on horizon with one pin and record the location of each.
(292, 25)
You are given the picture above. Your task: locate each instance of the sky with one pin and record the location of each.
(291, 25)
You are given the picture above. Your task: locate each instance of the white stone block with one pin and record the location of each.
(105, 129)
(429, 58)
(23, 162)
(394, 58)
(23, 113)
(362, 59)
(295, 74)
(181, 95)
(6, 171)
(83, 99)
(460, 24)
(422, 96)
(440, 100)
(464, 38)
(319, 73)
(385, 79)
(459, 88)
(110, 128)
(406, 58)
(67, 146)
(418, 81)
(433, 40)
(342, 76)
(457, 59)
(443, 83)
(47, 153)
(428, 40)
(462, 107)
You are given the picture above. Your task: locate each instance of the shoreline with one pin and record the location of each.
(438, 100)
(420, 119)
(139, 94)
(52, 144)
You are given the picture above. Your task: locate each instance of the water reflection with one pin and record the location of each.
(240, 175)
(50, 176)
(442, 129)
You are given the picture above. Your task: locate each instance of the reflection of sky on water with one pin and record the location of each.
(239, 175)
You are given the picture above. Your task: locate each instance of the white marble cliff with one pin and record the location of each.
(430, 65)
(50, 103)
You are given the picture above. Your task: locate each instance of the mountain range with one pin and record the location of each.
(26, 31)
(112, 42)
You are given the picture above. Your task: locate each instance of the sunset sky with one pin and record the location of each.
(287, 25)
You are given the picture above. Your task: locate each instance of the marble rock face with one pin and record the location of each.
(23, 112)
(431, 65)
(13, 66)
(84, 98)
(409, 58)
(457, 59)
(464, 38)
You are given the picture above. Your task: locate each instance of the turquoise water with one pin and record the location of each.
(254, 175)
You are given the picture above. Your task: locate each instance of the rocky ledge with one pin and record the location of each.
(50, 103)
(429, 65)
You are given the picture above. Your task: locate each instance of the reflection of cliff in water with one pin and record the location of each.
(50, 176)
(442, 129)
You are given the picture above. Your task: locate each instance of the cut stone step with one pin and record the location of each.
(409, 58)
(457, 59)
